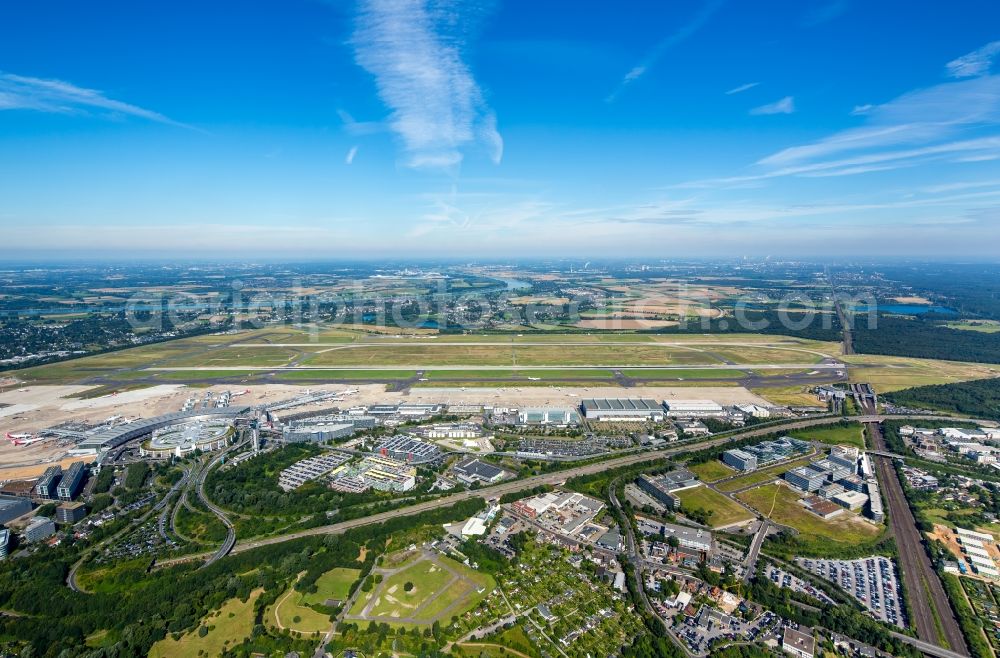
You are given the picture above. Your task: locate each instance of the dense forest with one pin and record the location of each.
(922, 338)
(979, 398)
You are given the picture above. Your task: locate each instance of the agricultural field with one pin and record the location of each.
(226, 628)
(780, 503)
(425, 588)
(724, 511)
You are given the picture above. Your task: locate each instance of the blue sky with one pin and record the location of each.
(426, 128)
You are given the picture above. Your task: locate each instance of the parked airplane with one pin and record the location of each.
(243, 392)
(23, 439)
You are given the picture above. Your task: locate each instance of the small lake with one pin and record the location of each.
(908, 309)
(516, 284)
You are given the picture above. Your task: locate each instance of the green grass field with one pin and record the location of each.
(851, 435)
(227, 628)
(711, 471)
(780, 503)
(724, 511)
(434, 591)
(762, 475)
(293, 611)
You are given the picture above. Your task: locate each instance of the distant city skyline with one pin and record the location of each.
(412, 129)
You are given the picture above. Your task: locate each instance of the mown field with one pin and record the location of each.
(724, 511)
(780, 503)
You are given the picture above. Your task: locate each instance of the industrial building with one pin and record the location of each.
(739, 459)
(69, 513)
(182, 439)
(40, 528)
(4, 542)
(692, 539)
(69, 485)
(693, 408)
(45, 487)
(11, 508)
(408, 449)
(472, 470)
(622, 409)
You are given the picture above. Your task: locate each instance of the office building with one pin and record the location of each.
(39, 528)
(805, 479)
(45, 487)
(71, 482)
(846, 456)
(739, 459)
(471, 470)
(798, 643)
(852, 500)
(69, 513)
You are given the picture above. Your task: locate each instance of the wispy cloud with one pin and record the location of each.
(349, 158)
(978, 62)
(661, 47)
(862, 109)
(414, 48)
(18, 92)
(742, 88)
(784, 106)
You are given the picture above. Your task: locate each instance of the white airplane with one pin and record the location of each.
(533, 379)
(23, 439)
(243, 392)
(113, 419)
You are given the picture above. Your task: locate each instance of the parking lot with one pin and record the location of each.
(873, 581)
(788, 581)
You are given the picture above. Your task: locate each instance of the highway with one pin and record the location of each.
(928, 601)
(230, 541)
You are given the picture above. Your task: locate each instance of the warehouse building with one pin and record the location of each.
(693, 408)
(46, 485)
(622, 409)
(739, 459)
(69, 485)
(554, 417)
(11, 508)
(472, 470)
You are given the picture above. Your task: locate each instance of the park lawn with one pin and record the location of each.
(852, 434)
(227, 628)
(455, 593)
(761, 475)
(724, 511)
(780, 503)
(334, 584)
(394, 601)
(711, 471)
(291, 606)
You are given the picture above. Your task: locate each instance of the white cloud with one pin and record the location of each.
(742, 88)
(860, 110)
(19, 92)
(657, 51)
(978, 62)
(349, 158)
(414, 48)
(784, 106)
